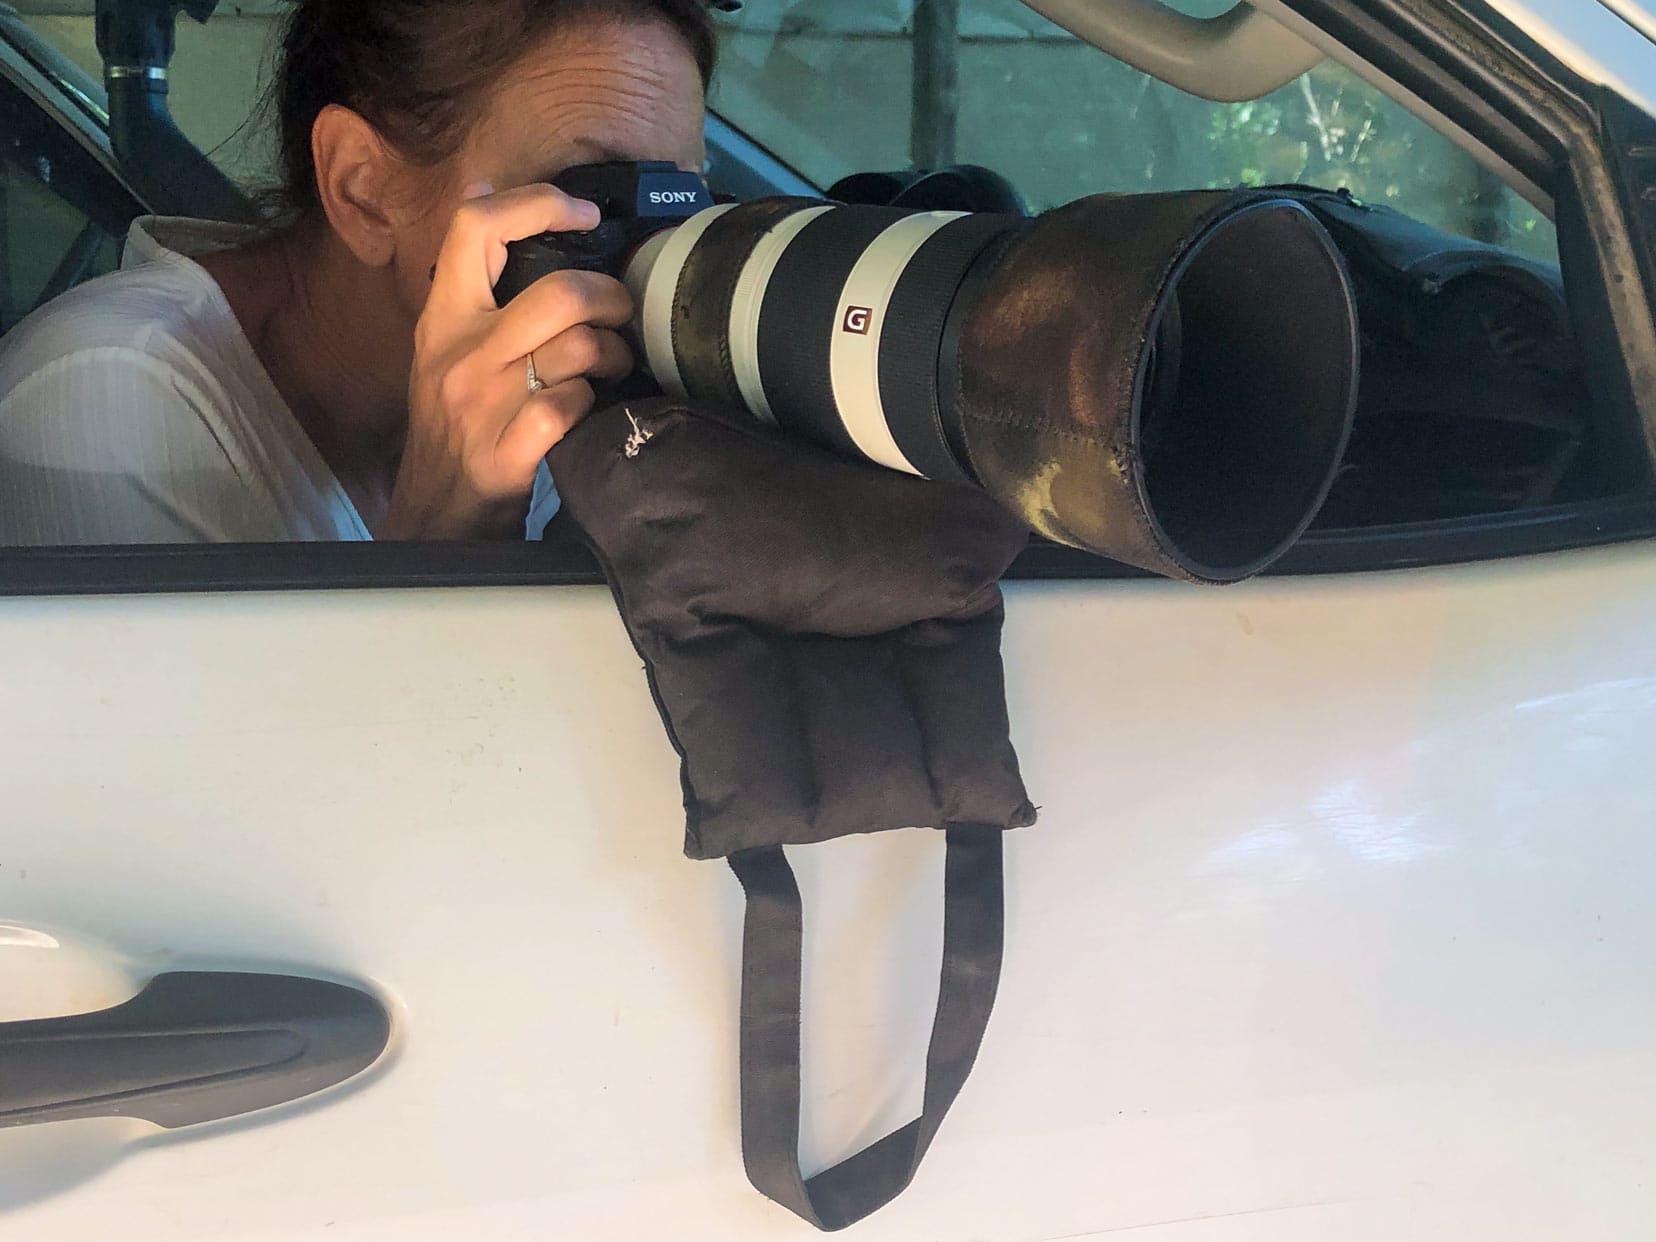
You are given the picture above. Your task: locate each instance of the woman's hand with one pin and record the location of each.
(476, 434)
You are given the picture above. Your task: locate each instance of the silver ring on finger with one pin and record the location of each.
(536, 384)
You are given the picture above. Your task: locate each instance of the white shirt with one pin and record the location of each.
(134, 410)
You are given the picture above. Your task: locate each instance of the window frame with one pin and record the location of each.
(1466, 62)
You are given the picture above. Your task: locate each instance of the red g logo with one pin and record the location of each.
(858, 319)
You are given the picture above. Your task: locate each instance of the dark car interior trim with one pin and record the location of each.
(562, 561)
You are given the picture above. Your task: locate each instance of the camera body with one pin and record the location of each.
(636, 199)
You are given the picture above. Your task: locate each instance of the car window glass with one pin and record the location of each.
(218, 78)
(61, 213)
(829, 88)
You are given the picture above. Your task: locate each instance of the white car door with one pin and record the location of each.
(1335, 925)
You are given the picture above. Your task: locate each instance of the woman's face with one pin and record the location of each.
(596, 90)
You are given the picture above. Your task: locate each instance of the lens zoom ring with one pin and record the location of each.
(912, 336)
(706, 289)
(799, 316)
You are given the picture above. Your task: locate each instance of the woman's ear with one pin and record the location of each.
(355, 177)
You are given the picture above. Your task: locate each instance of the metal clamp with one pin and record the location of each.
(118, 73)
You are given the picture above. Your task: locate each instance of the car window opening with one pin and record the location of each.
(1474, 399)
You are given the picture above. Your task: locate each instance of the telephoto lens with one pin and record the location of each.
(1168, 380)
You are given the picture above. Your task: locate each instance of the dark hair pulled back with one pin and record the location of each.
(418, 70)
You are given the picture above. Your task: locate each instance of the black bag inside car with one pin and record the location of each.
(822, 638)
(1473, 398)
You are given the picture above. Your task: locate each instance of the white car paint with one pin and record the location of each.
(1337, 923)
(1336, 926)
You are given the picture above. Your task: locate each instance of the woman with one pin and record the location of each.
(347, 375)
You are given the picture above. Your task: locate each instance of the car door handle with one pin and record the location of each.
(189, 1048)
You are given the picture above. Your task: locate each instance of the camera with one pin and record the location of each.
(636, 201)
(1168, 380)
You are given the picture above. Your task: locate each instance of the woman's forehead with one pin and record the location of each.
(597, 91)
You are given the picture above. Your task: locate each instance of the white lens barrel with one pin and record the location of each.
(750, 296)
(854, 358)
(666, 253)
(826, 319)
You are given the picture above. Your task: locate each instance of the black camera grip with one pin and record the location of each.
(529, 260)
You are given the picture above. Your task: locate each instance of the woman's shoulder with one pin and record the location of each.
(133, 408)
(148, 359)
(164, 312)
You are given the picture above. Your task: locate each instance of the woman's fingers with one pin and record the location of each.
(474, 252)
(553, 305)
(546, 417)
(583, 351)
(476, 435)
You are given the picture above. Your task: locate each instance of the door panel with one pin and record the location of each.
(1336, 923)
